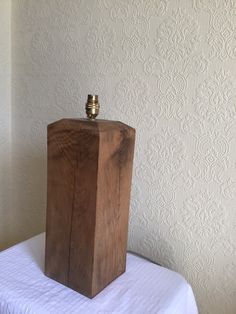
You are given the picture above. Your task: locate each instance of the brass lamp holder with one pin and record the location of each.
(92, 107)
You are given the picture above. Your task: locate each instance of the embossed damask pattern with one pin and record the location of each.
(166, 67)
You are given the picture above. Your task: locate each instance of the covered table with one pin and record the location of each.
(144, 288)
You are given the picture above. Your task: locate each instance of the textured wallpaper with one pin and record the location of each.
(5, 64)
(167, 68)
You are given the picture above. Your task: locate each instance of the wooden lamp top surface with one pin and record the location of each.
(97, 125)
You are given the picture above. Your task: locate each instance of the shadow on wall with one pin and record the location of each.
(5, 212)
(28, 195)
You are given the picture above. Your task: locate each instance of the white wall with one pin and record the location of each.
(5, 65)
(166, 67)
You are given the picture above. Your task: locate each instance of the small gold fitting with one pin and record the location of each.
(92, 107)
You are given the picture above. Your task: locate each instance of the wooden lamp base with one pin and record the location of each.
(89, 182)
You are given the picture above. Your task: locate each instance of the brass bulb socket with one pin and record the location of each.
(92, 107)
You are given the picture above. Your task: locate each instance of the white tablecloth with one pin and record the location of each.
(144, 288)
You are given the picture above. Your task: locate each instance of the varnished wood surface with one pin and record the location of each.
(89, 180)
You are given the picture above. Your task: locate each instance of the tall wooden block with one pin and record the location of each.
(89, 182)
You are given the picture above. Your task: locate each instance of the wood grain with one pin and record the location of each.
(89, 181)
